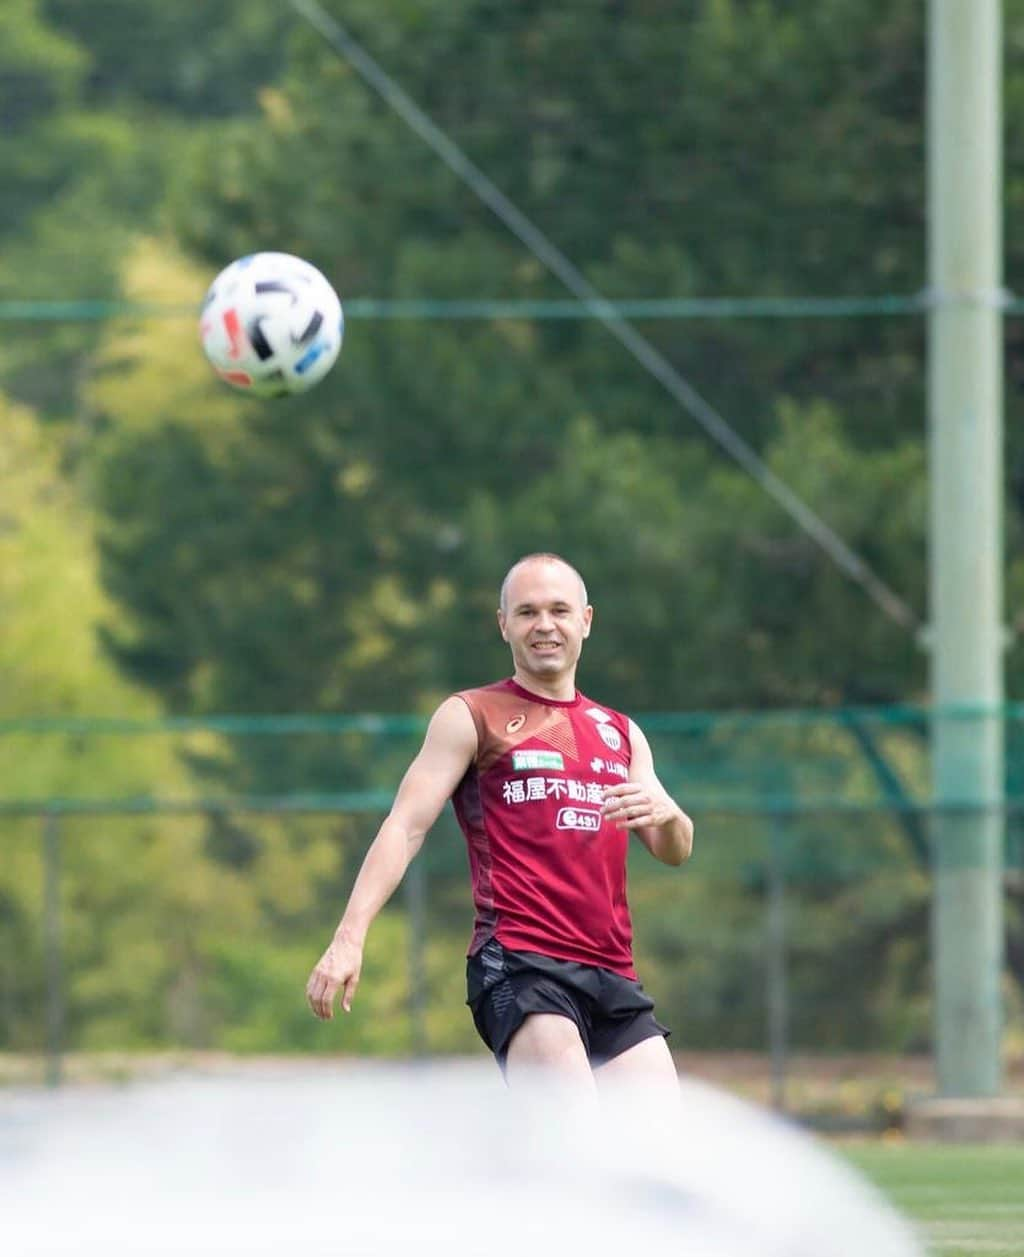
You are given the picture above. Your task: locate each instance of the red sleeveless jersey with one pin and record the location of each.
(548, 871)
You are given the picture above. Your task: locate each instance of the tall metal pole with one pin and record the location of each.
(966, 558)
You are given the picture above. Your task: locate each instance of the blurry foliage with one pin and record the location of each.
(464, 445)
(51, 599)
(167, 545)
(205, 60)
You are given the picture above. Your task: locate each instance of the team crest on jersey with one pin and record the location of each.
(516, 723)
(610, 736)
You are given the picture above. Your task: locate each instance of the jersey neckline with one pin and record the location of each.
(529, 695)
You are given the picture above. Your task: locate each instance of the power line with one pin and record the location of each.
(854, 566)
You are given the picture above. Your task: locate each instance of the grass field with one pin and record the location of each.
(968, 1200)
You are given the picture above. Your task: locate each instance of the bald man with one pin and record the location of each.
(547, 785)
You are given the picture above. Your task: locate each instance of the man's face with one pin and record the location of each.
(544, 619)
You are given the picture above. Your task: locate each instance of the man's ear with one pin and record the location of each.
(588, 616)
(501, 625)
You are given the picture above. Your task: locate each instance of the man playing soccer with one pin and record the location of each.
(546, 785)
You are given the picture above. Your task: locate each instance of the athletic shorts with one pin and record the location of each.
(612, 1013)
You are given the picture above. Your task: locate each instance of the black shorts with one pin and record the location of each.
(612, 1013)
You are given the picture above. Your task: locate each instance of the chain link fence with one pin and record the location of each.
(147, 923)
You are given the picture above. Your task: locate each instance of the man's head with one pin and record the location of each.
(544, 616)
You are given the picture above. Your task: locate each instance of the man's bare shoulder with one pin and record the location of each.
(452, 730)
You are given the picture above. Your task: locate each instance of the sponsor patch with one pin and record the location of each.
(516, 723)
(595, 713)
(613, 766)
(537, 759)
(578, 818)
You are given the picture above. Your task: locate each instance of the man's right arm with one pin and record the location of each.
(448, 750)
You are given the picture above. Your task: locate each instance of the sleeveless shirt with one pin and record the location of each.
(548, 871)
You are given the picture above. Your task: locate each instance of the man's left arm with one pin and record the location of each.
(644, 805)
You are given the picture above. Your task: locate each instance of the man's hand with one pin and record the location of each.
(337, 969)
(631, 806)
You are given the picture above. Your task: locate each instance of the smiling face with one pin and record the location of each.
(544, 618)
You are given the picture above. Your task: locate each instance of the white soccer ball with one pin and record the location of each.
(271, 324)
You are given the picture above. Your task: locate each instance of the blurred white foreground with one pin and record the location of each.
(390, 1162)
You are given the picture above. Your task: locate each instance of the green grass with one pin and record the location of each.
(967, 1199)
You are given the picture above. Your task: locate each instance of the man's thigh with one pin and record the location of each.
(647, 1062)
(550, 1042)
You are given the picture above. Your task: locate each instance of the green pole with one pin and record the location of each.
(777, 982)
(966, 561)
(415, 890)
(52, 934)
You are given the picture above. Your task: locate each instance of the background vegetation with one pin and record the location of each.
(170, 548)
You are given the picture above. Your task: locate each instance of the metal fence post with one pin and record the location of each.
(7, 996)
(53, 949)
(415, 888)
(777, 978)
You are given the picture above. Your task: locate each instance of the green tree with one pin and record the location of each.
(202, 61)
(436, 453)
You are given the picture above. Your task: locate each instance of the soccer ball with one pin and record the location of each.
(271, 324)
